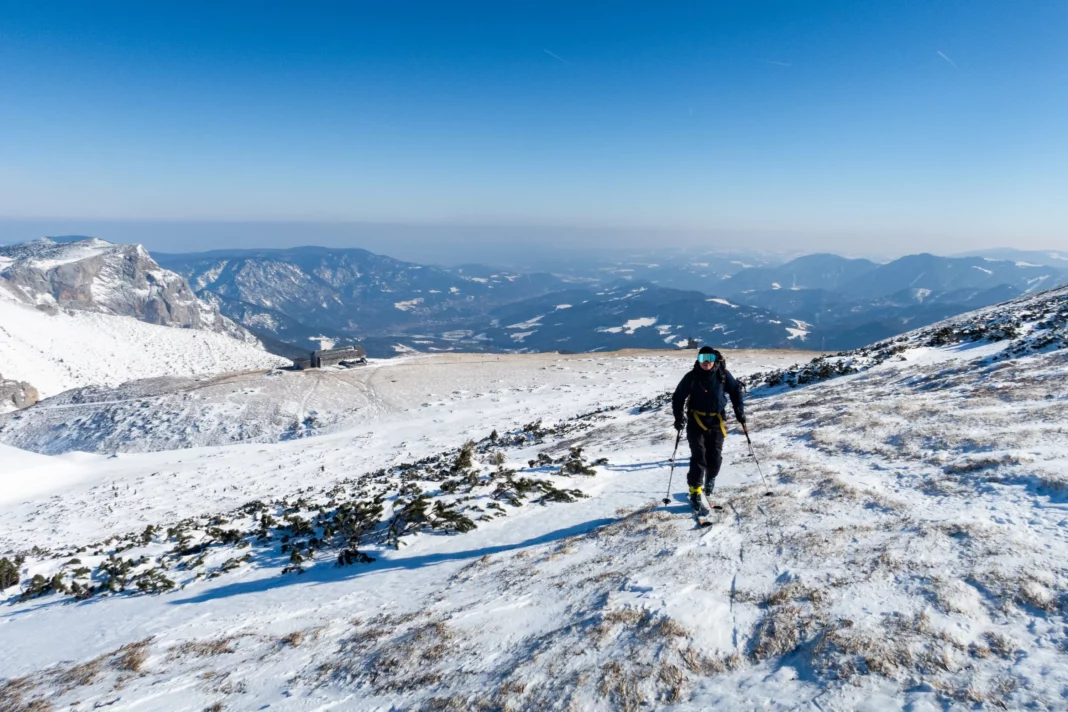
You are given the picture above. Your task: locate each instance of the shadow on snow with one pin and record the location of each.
(322, 573)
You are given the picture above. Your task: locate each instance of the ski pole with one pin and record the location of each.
(667, 497)
(752, 452)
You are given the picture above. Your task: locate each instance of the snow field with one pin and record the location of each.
(57, 352)
(911, 558)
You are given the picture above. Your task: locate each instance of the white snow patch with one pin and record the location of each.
(800, 331)
(57, 352)
(407, 305)
(528, 324)
(630, 326)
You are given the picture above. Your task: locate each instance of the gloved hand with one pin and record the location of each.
(679, 424)
(740, 417)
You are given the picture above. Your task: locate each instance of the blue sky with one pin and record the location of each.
(877, 126)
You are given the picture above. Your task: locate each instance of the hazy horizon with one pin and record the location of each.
(877, 129)
(456, 244)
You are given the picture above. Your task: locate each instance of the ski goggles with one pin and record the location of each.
(706, 358)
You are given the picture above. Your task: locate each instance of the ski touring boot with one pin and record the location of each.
(710, 487)
(697, 504)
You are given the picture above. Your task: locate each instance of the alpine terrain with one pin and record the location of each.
(486, 532)
(88, 312)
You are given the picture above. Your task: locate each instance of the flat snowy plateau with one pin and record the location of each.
(911, 555)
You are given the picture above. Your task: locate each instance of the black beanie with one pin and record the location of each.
(706, 350)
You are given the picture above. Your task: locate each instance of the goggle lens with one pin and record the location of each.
(706, 358)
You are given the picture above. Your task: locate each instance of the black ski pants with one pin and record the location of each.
(706, 454)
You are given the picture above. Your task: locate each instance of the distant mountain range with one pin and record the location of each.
(312, 295)
(1049, 258)
(855, 302)
(304, 296)
(298, 299)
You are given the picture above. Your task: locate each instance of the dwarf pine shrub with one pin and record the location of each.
(9, 574)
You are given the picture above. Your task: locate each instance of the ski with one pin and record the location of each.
(701, 517)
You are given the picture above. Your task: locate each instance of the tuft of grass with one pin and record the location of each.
(1002, 645)
(132, 656)
(293, 639)
(13, 697)
(779, 633)
(621, 687)
(82, 674)
(205, 648)
(672, 678)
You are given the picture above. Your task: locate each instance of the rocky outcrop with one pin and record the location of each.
(16, 394)
(95, 275)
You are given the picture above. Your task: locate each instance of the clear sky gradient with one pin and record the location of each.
(874, 126)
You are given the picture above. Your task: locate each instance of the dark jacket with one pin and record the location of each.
(707, 392)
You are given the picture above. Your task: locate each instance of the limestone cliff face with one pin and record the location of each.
(16, 394)
(96, 275)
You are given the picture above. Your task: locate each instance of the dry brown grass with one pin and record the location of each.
(37, 704)
(393, 659)
(13, 697)
(672, 678)
(205, 648)
(621, 687)
(793, 591)
(979, 464)
(563, 549)
(293, 639)
(780, 632)
(1001, 645)
(81, 674)
(700, 663)
(132, 656)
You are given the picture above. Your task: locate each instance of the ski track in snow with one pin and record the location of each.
(912, 556)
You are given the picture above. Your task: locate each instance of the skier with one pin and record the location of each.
(704, 392)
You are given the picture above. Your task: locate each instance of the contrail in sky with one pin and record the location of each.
(555, 56)
(777, 64)
(946, 58)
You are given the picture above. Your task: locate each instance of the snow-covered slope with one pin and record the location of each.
(55, 352)
(170, 413)
(97, 276)
(911, 555)
(1034, 323)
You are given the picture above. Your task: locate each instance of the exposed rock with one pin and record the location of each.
(95, 275)
(17, 394)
